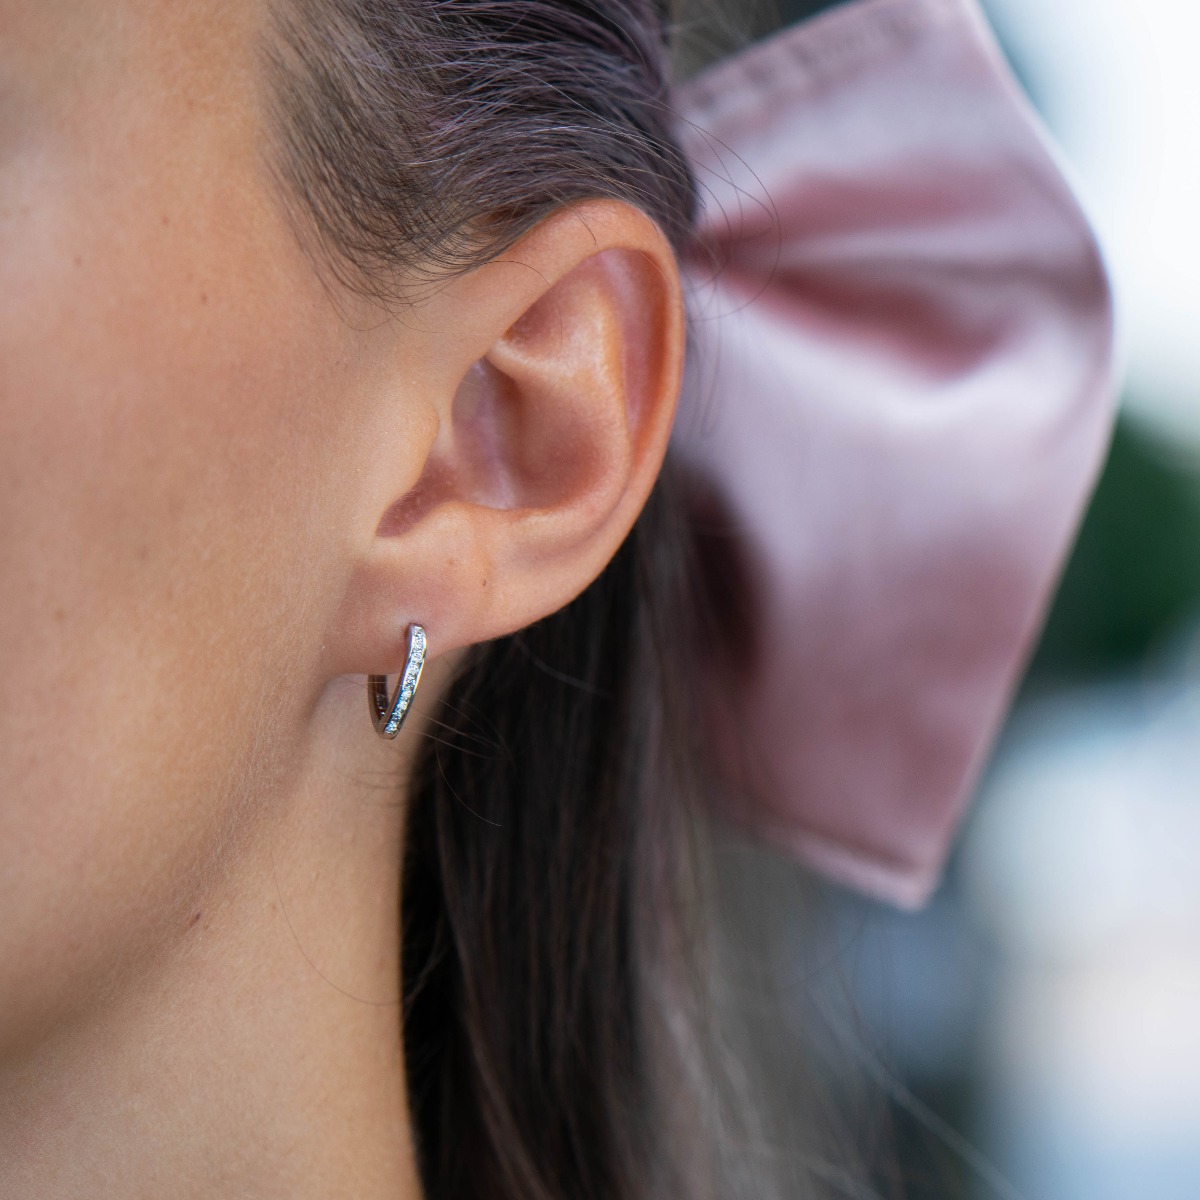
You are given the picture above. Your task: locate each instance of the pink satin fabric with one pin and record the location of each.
(902, 389)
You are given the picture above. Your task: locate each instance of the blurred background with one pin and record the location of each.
(1036, 1032)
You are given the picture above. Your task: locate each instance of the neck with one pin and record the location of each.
(258, 1051)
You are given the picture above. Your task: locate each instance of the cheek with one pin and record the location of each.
(167, 441)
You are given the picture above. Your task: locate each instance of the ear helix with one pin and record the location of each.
(388, 714)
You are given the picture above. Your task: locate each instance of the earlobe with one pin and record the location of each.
(548, 443)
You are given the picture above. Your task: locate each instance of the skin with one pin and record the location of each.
(226, 488)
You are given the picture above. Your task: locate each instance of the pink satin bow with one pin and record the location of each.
(902, 390)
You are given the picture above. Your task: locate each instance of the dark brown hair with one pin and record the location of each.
(544, 981)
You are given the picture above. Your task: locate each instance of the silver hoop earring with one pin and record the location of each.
(388, 714)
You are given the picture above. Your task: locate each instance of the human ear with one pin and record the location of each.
(546, 383)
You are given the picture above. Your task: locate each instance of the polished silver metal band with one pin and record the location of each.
(388, 714)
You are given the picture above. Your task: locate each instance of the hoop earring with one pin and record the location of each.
(388, 714)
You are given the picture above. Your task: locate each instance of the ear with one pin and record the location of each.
(540, 391)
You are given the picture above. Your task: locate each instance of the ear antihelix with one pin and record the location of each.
(388, 713)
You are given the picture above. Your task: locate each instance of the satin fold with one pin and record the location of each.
(901, 390)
